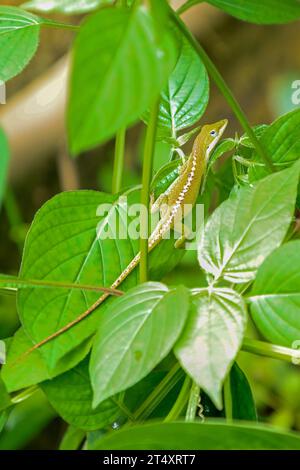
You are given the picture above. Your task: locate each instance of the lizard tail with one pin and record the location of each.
(90, 310)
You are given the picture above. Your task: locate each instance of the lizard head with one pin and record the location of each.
(211, 134)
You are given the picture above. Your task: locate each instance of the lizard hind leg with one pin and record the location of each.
(183, 232)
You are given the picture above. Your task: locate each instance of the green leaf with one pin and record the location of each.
(19, 37)
(282, 142)
(108, 85)
(30, 371)
(69, 7)
(186, 95)
(256, 11)
(243, 404)
(21, 371)
(226, 145)
(134, 337)
(26, 421)
(198, 436)
(4, 160)
(69, 241)
(64, 244)
(212, 338)
(275, 296)
(248, 226)
(71, 396)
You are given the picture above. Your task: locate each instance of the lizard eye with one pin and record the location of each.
(213, 133)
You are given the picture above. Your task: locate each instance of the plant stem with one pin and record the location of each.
(55, 24)
(24, 395)
(186, 7)
(271, 350)
(181, 401)
(124, 409)
(225, 90)
(193, 402)
(145, 193)
(119, 161)
(228, 399)
(159, 393)
(14, 218)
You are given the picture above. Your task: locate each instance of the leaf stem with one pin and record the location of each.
(119, 161)
(15, 282)
(124, 409)
(186, 6)
(228, 399)
(225, 90)
(145, 193)
(274, 351)
(180, 402)
(159, 393)
(55, 24)
(193, 402)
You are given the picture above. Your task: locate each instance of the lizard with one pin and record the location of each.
(184, 190)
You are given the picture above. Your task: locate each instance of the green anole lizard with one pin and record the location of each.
(184, 190)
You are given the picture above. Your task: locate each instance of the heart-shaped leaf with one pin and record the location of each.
(282, 142)
(135, 336)
(79, 237)
(248, 226)
(212, 338)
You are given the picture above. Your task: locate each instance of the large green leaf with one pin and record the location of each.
(4, 159)
(69, 7)
(198, 436)
(186, 95)
(72, 240)
(134, 337)
(257, 11)
(248, 226)
(275, 296)
(71, 396)
(19, 37)
(212, 338)
(117, 75)
(282, 142)
(63, 244)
